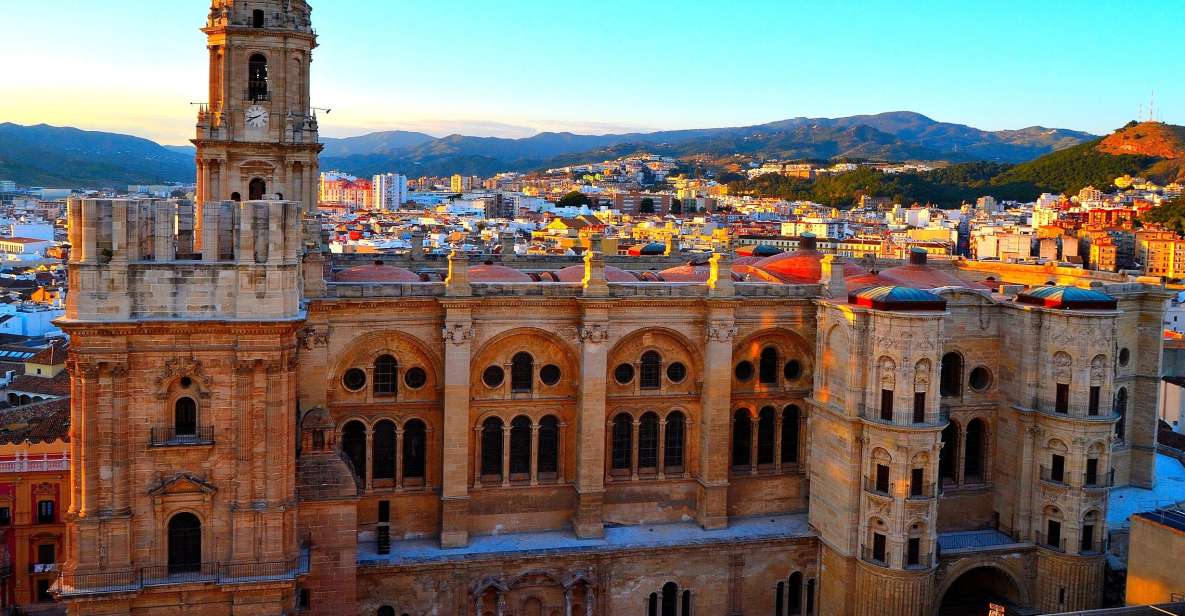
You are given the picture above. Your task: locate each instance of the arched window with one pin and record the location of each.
(652, 604)
(650, 375)
(257, 22)
(415, 445)
(386, 610)
(491, 447)
(1121, 410)
(185, 417)
(766, 421)
(670, 599)
(185, 544)
(790, 418)
(354, 446)
(780, 599)
(256, 189)
(623, 437)
(236, 197)
(673, 445)
(951, 378)
(767, 370)
(648, 442)
(742, 438)
(383, 450)
(948, 456)
(522, 373)
(974, 448)
(257, 89)
(794, 592)
(520, 446)
(549, 446)
(386, 376)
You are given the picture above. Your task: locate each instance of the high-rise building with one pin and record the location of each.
(390, 191)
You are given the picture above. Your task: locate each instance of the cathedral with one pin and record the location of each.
(260, 427)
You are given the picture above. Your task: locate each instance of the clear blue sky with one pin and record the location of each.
(514, 67)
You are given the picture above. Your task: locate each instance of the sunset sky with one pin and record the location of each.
(513, 68)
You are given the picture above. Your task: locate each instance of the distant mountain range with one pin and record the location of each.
(46, 155)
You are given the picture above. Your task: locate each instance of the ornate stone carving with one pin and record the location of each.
(594, 333)
(179, 367)
(457, 333)
(310, 338)
(721, 332)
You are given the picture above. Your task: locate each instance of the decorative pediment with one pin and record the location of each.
(180, 367)
(182, 483)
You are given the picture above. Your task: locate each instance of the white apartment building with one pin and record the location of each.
(390, 191)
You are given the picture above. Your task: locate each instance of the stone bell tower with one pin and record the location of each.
(257, 135)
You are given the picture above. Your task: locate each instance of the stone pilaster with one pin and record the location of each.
(590, 429)
(457, 336)
(712, 497)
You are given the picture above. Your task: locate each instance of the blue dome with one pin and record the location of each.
(1067, 298)
(897, 298)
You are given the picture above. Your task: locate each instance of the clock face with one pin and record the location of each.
(257, 116)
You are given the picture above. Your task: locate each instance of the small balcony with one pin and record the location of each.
(870, 486)
(186, 437)
(924, 561)
(1098, 481)
(1057, 544)
(868, 555)
(1050, 477)
(922, 492)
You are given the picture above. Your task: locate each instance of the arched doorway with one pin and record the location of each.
(185, 544)
(974, 592)
(256, 189)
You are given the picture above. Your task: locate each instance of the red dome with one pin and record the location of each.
(377, 272)
(691, 272)
(488, 272)
(803, 267)
(575, 273)
(922, 277)
(750, 260)
(748, 273)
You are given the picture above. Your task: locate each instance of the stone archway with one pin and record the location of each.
(974, 590)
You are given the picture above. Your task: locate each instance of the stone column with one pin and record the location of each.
(662, 448)
(778, 440)
(590, 420)
(535, 453)
(457, 338)
(506, 427)
(369, 471)
(712, 497)
(634, 450)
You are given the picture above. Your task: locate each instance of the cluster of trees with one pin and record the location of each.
(1169, 215)
(1066, 172)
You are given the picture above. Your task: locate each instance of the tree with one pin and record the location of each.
(574, 199)
(647, 206)
(1170, 215)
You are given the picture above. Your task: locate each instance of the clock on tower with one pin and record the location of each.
(257, 136)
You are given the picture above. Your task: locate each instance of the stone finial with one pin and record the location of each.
(457, 283)
(417, 245)
(720, 275)
(594, 281)
(831, 276)
(507, 240)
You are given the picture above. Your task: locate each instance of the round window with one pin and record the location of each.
(792, 370)
(493, 376)
(186, 382)
(676, 372)
(981, 378)
(1124, 357)
(623, 373)
(549, 374)
(744, 371)
(354, 379)
(415, 378)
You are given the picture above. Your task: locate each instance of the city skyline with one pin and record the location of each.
(661, 66)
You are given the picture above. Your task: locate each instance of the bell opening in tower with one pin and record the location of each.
(256, 189)
(257, 87)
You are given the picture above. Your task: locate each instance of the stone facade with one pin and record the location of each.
(252, 436)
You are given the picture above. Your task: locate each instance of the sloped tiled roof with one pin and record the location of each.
(56, 386)
(45, 422)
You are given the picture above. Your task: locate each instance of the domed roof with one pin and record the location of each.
(1066, 297)
(489, 272)
(897, 298)
(803, 266)
(575, 273)
(759, 250)
(919, 274)
(649, 250)
(746, 272)
(750, 260)
(377, 272)
(693, 272)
